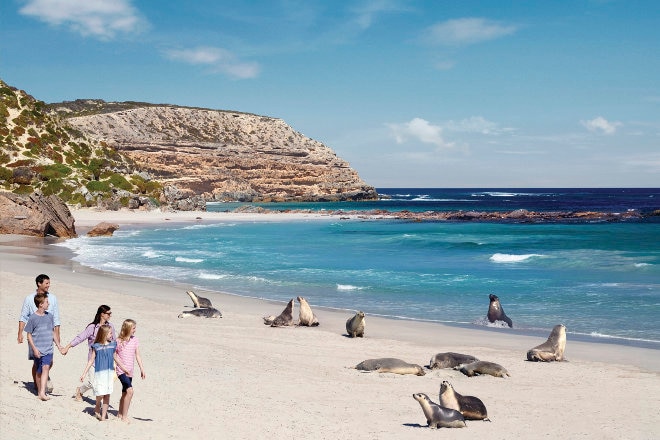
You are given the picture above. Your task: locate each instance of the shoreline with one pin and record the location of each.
(215, 376)
(89, 217)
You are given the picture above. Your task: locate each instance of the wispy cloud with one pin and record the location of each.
(601, 125)
(367, 13)
(420, 130)
(464, 31)
(102, 19)
(217, 60)
(477, 124)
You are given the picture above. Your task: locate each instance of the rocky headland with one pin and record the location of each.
(219, 155)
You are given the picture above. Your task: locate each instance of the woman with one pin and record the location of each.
(103, 314)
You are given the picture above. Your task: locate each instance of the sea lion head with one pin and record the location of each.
(445, 387)
(420, 371)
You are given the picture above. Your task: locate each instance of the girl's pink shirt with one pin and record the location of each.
(126, 352)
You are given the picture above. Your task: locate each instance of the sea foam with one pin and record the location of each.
(512, 258)
(188, 260)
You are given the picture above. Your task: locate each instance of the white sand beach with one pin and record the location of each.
(236, 378)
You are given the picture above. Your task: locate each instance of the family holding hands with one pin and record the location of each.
(107, 356)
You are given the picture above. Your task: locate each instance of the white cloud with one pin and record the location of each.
(477, 124)
(103, 19)
(421, 130)
(601, 125)
(464, 31)
(217, 59)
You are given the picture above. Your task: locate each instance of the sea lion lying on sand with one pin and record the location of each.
(437, 416)
(305, 316)
(496, 312)
(552, 349)
(198, 301)
(390, 365)
(472, 408)
(204, 312)
(450, 360)
(484, 367)
(355, 325)
(286, 317)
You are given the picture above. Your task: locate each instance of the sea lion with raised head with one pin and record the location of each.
(437, 416)
(450, 360)
(355, 325)
(204, 312)
(552, 349)
(496, 312)
(198, 301)
(472, 408)
(484, 367)
(390, 365)
(286, 317)
(305, 316)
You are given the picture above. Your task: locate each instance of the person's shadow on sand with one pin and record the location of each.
(32, 388)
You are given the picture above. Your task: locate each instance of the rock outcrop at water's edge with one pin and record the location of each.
(36, 215)
(219, 155)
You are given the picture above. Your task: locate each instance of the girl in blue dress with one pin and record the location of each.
(103, 356)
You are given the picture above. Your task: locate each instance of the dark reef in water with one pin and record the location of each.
(517, 216)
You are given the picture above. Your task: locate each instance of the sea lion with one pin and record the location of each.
(472, 408)
(390, 365)
(484, 367)
(204, 312)
(198, 301)
(450, 360)
(286, 317)
(306, 316)
(552, 349)
(355, 325)
(437, 416)
(496, 312)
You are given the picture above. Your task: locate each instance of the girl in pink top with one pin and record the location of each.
(128, 351)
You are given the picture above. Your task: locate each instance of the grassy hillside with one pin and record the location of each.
(39, 151)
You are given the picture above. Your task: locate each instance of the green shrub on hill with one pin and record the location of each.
(55, 171)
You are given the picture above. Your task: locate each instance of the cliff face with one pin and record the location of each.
(221, 155)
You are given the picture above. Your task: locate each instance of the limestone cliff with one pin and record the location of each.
(220, 155)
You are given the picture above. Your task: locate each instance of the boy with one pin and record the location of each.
(43, 285)
(40, 330)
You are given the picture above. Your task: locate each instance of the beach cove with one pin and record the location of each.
(236, 378)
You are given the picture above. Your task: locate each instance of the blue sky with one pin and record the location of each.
(411, 93)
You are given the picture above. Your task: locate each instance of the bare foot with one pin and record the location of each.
(78, 396)
(98, 416)
(126, 420)
(44, 397)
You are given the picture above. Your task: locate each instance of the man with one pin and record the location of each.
(43, 284)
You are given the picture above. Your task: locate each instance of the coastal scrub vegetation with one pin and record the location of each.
(39, 151)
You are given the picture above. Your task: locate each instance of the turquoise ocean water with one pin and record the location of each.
(600, 279)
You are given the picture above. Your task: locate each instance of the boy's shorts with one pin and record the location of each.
(126, 382)
(46, 359)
